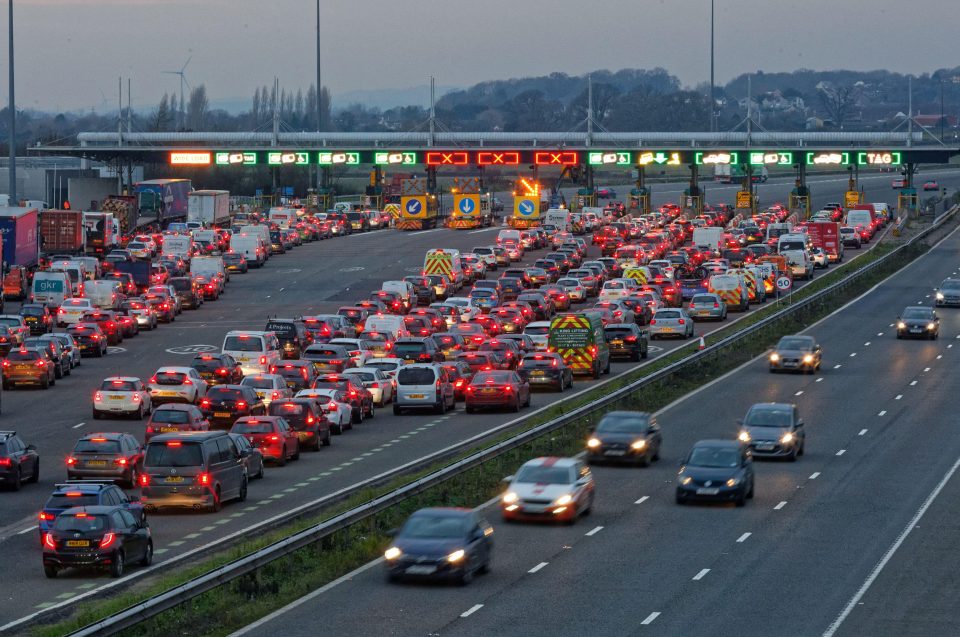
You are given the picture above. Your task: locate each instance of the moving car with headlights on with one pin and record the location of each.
(774, 430)
(796, 353)
(948, 294)
(440, 543)
(625, 436)
(918, 322)
(549, 488)
(716, 470)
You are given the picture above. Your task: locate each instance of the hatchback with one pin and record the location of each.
(501, 388)
(275, 439)
(671, 322)
(97, 537)
(122, 395)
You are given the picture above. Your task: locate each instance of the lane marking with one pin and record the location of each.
(939, 356)
(594, 531)
(837, 366)
(27, 530)
(879, 333)
(926, 369)
(649, 619)
(779, 506)
(814, 475)
(642, 500)
(819, 380)
(863, 432)
(743, 538)
(898, 397)
(841, 452)
(538, 567)
(471, 610)
(911, 525)
(867, 344)
(950, 346)
(78, 425)
(703, 573)
(912, 383)
(883, 412)
(853, 354)
(799, 393)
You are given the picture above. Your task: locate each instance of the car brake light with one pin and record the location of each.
(203, 478)
(120, 461)
(241, 404)
(263, 360)
(48, 541)
(680, 321)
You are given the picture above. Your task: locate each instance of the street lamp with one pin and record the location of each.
(713, 97)
(12, 142)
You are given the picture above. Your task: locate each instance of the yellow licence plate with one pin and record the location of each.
(221, 414)
(117, 397)
(166, 429)
(78, 542)
(96, 463)
(174, 479)
(417, 396)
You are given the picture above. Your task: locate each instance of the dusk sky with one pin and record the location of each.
(69, 53)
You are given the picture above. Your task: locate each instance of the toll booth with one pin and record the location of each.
(325, 199)
(586, 197)
(640, 200)
(800, 203)
(471, 208)
(907, 202)
(692, 203)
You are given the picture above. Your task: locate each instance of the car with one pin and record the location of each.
(129, 326)
(141, 311)
(424, 386)
(545, 369)
(275, 439)
(269, 387)
(335, 405)
(377, 382)
(174, 417)
(108, 322)
(235, 262)
(820, 258)
(497, 388)
(52, 346)
(28, 366)
(217, 369)
(66, 340)
(71, 310)
(948, 294)
(898, 182)
(292, 335)
(850, 237)
(327, 358)
(122, 395)
(297, 374)
(16, 325)
(574, 289)
(89, 338)
(251, 456)
(507, 352)
(305, 417)
(796, 353)
(19, 461)
(931, 184)
(417, 350)
(74, 493)
(716, 470)
(773, 430)
(37, 318)
(188, 291)
(918, 322)
(106, 456)
(625, 436)
(223, 404)
(7, 340)
(626, 340)
(97, 537)
(707, 306)
(549, 488)
(360, 399)
(671, 322)
(173, 384)
(440, 543)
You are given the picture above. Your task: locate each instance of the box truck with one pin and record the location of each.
(208, 207)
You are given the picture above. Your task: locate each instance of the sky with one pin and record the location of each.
(70, 53)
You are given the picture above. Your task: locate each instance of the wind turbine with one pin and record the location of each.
(183, 83)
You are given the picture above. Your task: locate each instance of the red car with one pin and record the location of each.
(275, 439)
(497, 389)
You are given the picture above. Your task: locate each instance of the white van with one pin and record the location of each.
(91, 267)
(251, 247)
(75, 271)
(860, 218)
(423, 385)
(255, 351)
(105, 294)
(559, 218)
(178, 245)
(404, 289)
(386, 324)
(283, 217)
(258, 231)
(50, 288)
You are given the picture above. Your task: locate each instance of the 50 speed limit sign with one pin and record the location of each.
(784, 283)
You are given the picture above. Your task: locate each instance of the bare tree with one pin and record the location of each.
(838, 101)
(197, 108)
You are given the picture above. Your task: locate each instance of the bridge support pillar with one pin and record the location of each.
(800, 195)
(640, 194)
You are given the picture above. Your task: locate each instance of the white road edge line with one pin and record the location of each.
(841, 452)
(780, 505)
(814, 475)
(594, 531)
(642, 500)
(912, 524)
(471, 610)
(743, 538)
(650, 618)
(703, 573)
(538, 567)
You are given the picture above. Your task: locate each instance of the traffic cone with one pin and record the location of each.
(702, 344)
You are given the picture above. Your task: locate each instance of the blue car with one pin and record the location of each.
(718, 471)
(78, 493)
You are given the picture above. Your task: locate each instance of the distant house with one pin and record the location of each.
(933, 121)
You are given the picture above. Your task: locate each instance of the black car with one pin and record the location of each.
(775, 430)
(306, 418)
(235, 262)
(545, 369)
(76, 493)
(191, 295)
(948, 294)
(97, 537)
(298, 374)
(440, 543)
(642, 312)
(277, 243)
(37, 317)
(626, 340)
(423, 288)
(89, 338)
(19, 462)
(223, 404)
(796, 353)
(292, 335)
(918, 321)
(625, 436)
(218, 369)
(716, 470)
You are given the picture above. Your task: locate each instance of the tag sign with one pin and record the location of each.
(879, 158)
(328, 159)
(744, 199)
(403, 158)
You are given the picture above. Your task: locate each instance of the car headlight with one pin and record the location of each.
(732, 482)
(392, 553)
(456, 556)
(774, 357)
(808, 358)
(510, 497)
(931, 326)
(901, 325)
(686, 480)
(639, 444)
(744, 436)
(787, 438)
(593, 443)
(939, 296)
(563, 500)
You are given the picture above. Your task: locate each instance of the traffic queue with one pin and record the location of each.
(472, 328)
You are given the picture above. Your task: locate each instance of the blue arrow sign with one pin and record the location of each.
(466, 205)
(413, 206)
(526, 207)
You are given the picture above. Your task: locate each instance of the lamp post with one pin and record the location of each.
(13, 115)
(713, 98)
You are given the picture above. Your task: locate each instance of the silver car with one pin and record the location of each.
(671, 322)
(707, 306)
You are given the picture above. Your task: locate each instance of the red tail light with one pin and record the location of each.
(263, 360)
(144, 479)
(46, 516)
(241, 404)
(120, 461)
(48, 541)
(203, 479)
(187, 381)
(71, 461)
(331, 406)
(41, 364)
(274, 438)
(680, 321)
(204, 403)
(653, 321)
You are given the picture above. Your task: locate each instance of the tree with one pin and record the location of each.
(604, 96)
(197, 108)
(256, 112)
(838, 101)
(162, 119)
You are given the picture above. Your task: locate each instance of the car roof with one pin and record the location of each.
(173, 368)
(717, 443)
(123, 378)
(551, 461)
(101, 509)
(175, 407)
(83, 485)
(771, 406)
(187, 436)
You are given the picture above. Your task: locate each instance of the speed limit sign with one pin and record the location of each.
(784, 283)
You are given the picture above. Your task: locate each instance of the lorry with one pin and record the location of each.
(163, 199)
(124, 210)
(102, 232)
(826, 236)
(86, 193)
(18, 226)
(208, 207)
(139, 270)
(61, 231)
(709, 238)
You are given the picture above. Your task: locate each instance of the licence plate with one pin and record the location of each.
(96, 463)
(915, 330)
(116, 397)
(538, 373)
(167, 393)
(703, 312)
(421, 570)
(174, 479)
(616, 341)
(614, 452)
(416, 396)
(710, 491)
(166, 429)
(78, 542)
(221, 414)
(291, 384)
(666, 329)
(765, 446)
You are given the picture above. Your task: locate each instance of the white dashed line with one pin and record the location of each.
(841, 452)
(703, 573)
(863, 432)
(78, 425)
(819, 380)
(950, 346)
(799, 393)
(837, 366)
(642, 500)
(27, 530)
(867, 344)
(926, 369)
(939, 356)
(471, 610)
(912, 383)
(898, 397)
(649, 619)
(743, 538)
(852, 354)
(879, 333)
(882, 412)
(594, 531)
(780, 505)
(814, 475)
(538, 567)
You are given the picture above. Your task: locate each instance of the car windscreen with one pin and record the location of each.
(206, 364)
(703, 299)
(537, 330)
(224, 393)
(917, 313)
(666, 315)
(950, 284)
(794, 343)
(545, 474)
(257, 383)
(118, 385)
(243, 344)
(252, 427)
(714, 457)
(401, 349)
(319, 354)
(768, 418)
(10, 322)
(176, 454)
(424, 526)
(286, 409)
(65, 501)
(22, 355)
(366, 377)
(385, 366)
(80, 523)
(97, 445)
(180, 285)
(170, 378)
(170, 417)
(618, 332)
(416, 376)
(622, 424)
(791, 245)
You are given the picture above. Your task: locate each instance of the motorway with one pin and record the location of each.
(791, 562)
(316, 278)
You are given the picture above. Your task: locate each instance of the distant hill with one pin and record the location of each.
(385, 99)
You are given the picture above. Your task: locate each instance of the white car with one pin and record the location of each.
(377, 382)
(539, 332)
(468, 311)
(389, 366)
(820, 258)
(549, 489)
(487, 255)
(335, 407)
(269, 387)
(177, 385)
(139, 250)
(358, 353)
(123, 395)
(148, 241)
(71, 310)
(142, 311)
(574, 289)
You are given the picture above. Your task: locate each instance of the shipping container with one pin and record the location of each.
(209, 207)
(20, 236)
(61, 231)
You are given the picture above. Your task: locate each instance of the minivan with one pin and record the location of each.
(386, 324)
(51, 288)
(424, 385)
(106, 294)
(198, 469)
(255, 351)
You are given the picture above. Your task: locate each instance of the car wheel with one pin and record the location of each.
(116, 567)
(97, 415)
(296, 454)
(326, 440)
(371, 413)
(217, 504)
(801, 449)
(147, 554)
(793, 455)
(243, 491)
(282, 460)
(516, 405)
(468, 409)
(35, 476)
(645, 460)
(750, 492)
(357, 416)
(17, 479)
(46, 384)
(742, 498)
(466, 576)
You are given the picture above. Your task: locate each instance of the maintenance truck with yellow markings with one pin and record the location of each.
(578, 338)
